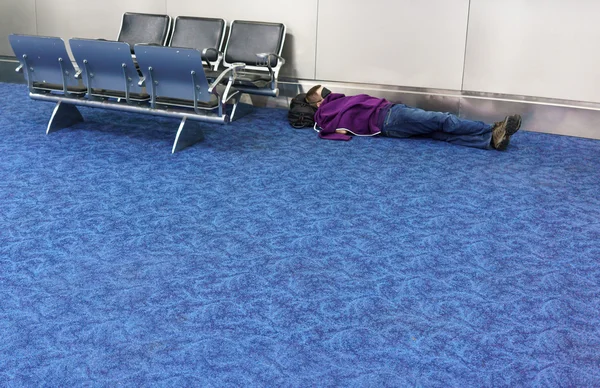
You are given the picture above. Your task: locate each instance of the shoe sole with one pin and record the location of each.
(513, 123)
(511, 126)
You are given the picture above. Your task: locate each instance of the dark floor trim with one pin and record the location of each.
(7, 71)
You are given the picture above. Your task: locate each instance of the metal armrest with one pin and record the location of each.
(77, 74)
(234, 67)
(19, 69)
(142, 82)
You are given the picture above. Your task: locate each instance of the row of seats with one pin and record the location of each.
(155, 69)
(256, 44)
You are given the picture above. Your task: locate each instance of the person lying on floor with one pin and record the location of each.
(341, 116)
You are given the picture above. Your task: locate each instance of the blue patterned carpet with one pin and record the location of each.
(267, 257)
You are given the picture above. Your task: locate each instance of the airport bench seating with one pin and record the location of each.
(151, 70)
(173, 83)
(258, 45)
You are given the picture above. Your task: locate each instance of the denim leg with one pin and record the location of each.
(404, 121)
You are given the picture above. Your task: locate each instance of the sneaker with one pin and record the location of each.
(503, 130)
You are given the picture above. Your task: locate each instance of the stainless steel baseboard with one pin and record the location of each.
(7, 71)
(537, 117)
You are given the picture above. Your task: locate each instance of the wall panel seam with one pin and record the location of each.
(316, 41)
(462, 83)
(35, 11)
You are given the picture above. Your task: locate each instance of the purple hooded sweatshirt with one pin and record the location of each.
(359, 114)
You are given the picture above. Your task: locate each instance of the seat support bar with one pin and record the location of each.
(124, 107)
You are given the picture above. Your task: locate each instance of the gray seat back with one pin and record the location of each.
(144, 28)
(172, 72)
(106, 65)
(41, 58)
(247, 38)
(199, 33)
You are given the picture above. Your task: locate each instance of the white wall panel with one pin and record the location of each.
(16, 17)
(403, 42)
(300, 18)
(542, 48)
(89, 19)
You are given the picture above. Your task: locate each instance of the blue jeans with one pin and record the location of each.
(404, 121)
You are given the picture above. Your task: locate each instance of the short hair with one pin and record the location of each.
(312, 95)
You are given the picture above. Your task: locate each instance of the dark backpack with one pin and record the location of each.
(301, 114)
